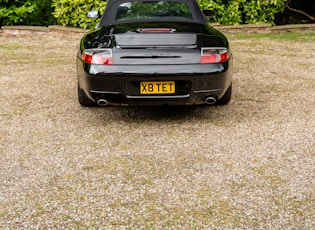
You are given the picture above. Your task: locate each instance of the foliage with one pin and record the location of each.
(15, 11)
(234, 12)
(229, 12)
(73, 12)
(42, 15)
(26, 12)
(262, 11)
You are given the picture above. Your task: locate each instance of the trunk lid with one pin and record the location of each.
(158, 44)
(150, 49)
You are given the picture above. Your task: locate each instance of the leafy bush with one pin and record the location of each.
(234, 12)
(15, 11)
(229, 12)
(262, 11)
(42, 14)
(73, 12)
(26, 12)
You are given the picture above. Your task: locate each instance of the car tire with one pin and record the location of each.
(226, 97)
(83, 99)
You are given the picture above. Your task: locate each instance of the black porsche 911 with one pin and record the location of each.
(154, 52)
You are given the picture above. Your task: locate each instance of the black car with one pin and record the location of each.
(154, 52)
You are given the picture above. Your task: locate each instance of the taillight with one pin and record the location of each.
(98, 56)
(213, 55)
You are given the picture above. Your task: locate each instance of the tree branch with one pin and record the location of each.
(299, 11)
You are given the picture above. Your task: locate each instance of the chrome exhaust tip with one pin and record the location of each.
(102, 102)
(210, 100)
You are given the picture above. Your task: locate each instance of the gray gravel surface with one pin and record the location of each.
(247, 165)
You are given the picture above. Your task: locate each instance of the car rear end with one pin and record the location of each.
(156, 67)
(179, 62)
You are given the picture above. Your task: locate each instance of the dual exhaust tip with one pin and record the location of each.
(209, 100)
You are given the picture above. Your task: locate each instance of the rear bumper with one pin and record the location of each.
(119, 85)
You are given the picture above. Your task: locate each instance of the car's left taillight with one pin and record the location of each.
(213, 55)
(98, 56)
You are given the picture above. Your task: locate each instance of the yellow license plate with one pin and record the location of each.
(157, 87)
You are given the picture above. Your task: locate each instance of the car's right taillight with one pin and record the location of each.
(98, 56)
(211, 55)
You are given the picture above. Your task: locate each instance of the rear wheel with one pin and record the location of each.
(83, 99)
(226, 97)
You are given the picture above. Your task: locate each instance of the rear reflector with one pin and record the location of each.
(213, 55)
(98, 56)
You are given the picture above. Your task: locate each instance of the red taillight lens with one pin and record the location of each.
(87, 58)
(98, 56)
(213, 55)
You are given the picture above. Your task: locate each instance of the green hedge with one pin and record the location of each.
(26, 12)
(73, 12)
(15, 11)
(234, 12)
(231, 12)
(42, 15)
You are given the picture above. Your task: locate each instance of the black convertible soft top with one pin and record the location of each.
(109, 15)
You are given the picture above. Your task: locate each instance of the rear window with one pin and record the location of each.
(153, 10)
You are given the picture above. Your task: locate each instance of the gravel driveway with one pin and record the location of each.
(247, 165)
